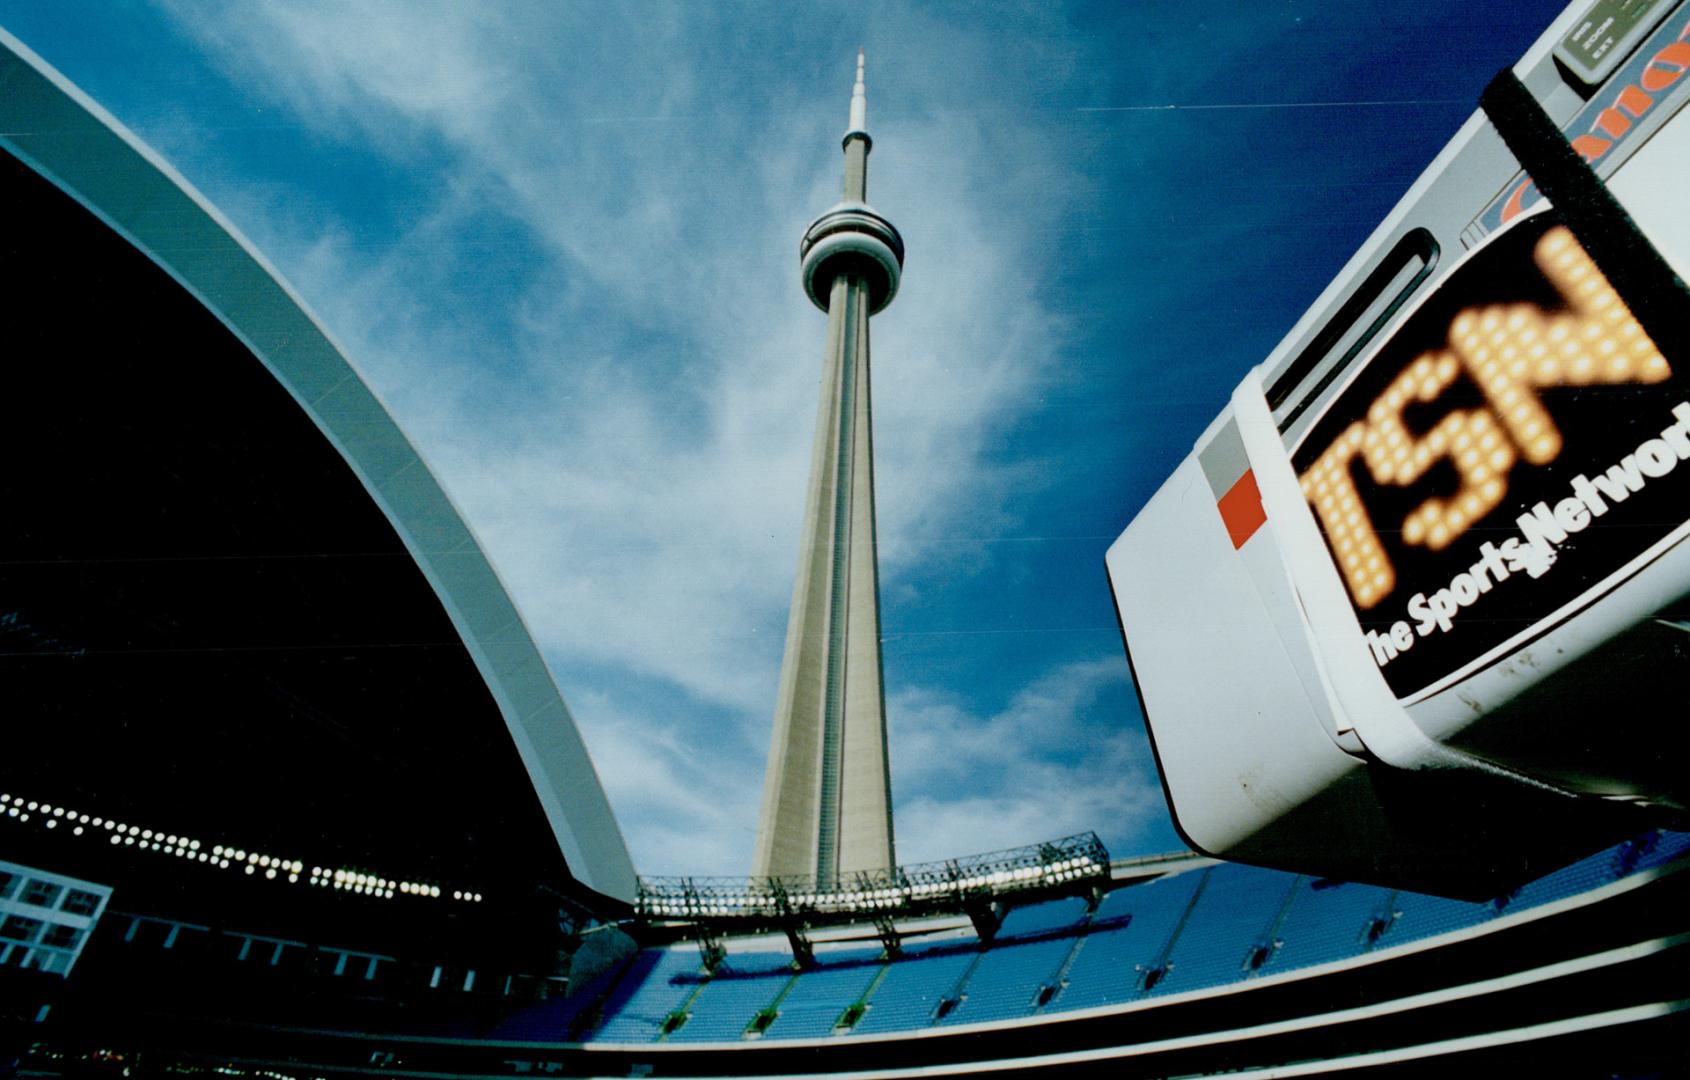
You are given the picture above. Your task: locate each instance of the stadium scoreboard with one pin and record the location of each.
(1409, 613)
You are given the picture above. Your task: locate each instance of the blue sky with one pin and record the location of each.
(559, 240)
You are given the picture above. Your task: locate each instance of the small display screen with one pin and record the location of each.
(1599, 40)
(1510, 448)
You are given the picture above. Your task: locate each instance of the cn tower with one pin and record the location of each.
(827, 803)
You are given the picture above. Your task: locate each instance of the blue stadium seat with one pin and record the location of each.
(1116, 904)
(555, 1019)
(1110, 964)
(1586, 874)
(824, 992)
(1328, 920)
(914, 985)
(744, 984)
(1235, 913)
(1007, 981)
(1245, 922)
(1426, 916)
(1047, 916)
(637, 1007)
(1666, 847)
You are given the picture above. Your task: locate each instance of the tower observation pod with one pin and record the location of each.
(827, 805)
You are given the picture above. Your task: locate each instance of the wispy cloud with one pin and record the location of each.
(1050, 763)
(590, 322)
(688, 800)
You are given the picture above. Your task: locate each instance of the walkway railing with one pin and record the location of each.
(905, 890)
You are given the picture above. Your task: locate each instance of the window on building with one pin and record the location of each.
(19, 928)
(61, 937)
(78, 902)
(8, 882)
(41, 893)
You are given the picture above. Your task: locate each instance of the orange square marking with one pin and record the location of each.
(1241, 509)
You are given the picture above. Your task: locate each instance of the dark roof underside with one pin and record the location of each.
(208, 626)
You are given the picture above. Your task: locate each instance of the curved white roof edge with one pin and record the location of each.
(69, 139)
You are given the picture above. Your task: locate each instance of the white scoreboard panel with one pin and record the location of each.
(1413, 609)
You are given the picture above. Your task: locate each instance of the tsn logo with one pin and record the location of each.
(1509, 351)
(1612, 122)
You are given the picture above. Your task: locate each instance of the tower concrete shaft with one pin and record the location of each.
(827, 803)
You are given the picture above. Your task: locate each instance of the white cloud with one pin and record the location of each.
(689, 802)
(632, 449)
(1049, 764)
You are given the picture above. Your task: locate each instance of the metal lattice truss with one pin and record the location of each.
(918, 889)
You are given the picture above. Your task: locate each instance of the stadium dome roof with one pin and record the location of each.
(236, 600)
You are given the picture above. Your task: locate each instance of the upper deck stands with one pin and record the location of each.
(1202, 928)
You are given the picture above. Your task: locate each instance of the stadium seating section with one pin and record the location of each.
(1204, 927)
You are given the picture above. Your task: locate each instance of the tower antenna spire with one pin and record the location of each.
(859, 103)
(857, 143)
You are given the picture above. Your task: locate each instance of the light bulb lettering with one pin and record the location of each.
(1509, 351)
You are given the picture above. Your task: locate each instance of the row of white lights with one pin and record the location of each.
(251, 862)
(365, 884)
(733, 903)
